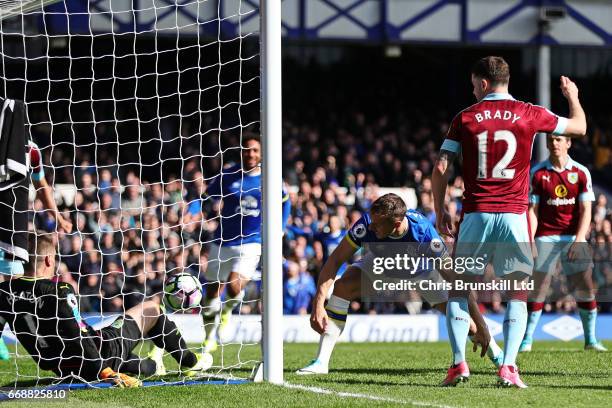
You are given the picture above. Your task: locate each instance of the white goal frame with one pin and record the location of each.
(271, 126)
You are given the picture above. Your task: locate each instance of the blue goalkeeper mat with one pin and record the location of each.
(82, 386)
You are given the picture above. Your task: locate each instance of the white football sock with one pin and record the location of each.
(338, 307)
(210, 310)
(494, 349)
(231, 303)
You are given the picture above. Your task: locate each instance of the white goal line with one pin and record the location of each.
(341, 394)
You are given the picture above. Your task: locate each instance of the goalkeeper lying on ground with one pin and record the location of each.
(44, 315)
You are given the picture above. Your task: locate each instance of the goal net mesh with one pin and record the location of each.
(136, 107)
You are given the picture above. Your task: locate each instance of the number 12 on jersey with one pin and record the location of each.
(499, 170)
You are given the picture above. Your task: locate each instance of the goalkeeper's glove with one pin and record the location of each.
(118, 379)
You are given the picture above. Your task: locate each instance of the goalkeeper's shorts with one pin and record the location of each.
(118, 341)
(242, 259)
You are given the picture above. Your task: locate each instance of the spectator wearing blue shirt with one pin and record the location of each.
(298, 289)
(332, 239)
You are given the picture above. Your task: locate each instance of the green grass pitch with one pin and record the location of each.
(558, 374)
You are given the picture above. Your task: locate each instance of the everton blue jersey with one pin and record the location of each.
(420, 231)
(241, 213)
(240, 221)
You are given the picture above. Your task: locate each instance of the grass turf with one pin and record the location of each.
(558, 374)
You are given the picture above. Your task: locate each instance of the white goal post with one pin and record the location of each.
(271, 102)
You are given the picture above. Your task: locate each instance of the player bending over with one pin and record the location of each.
(495, 137)
(388, 222)
(560, 215)
(44, 315)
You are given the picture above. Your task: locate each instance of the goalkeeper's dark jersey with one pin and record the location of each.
(44, 316)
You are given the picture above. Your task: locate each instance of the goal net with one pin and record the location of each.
(137, 109)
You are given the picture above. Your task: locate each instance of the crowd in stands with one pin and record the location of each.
(129, 232)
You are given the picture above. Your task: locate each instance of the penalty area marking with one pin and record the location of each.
(319, 390)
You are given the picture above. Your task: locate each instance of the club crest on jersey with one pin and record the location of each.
(560, 191)
(249, 206)
(360, 231)
(572, 177)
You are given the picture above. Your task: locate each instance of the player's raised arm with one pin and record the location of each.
(441, 173)
(341, 254)
(44, 193)
(576, 122)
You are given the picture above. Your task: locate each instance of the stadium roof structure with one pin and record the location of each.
(511, 22)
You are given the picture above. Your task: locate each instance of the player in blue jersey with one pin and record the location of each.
(387, 222)
(236, 248)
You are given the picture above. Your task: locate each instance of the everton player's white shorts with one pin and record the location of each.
(501, 239)
(430, 292)
(554, 248)
(224, 259)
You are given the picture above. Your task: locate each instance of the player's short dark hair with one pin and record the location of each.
(253, 136)
(40, 244)
(564, 136)
(389, 205)
(494, 69)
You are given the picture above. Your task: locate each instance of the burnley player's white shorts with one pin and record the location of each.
(432, 296)
(224, 259)
(554, 248)
(501, 239)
